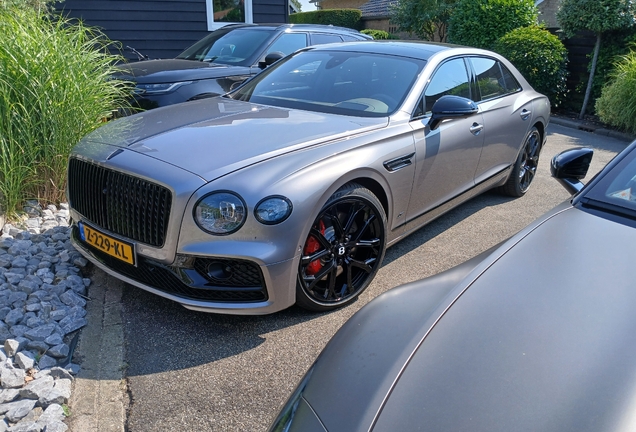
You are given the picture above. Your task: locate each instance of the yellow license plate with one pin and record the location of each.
(116, 248)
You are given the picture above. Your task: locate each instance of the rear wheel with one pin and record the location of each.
(526, 166)
(343, 251)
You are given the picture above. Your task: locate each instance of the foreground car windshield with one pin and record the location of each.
(617, 190)
(349, 83)
(233, 47)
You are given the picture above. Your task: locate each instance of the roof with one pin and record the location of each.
(377, 8)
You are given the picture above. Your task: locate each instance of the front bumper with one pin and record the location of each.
(240, 289)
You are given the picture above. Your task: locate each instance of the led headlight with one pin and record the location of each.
(159, 88)
(220, 213)
(273, 210)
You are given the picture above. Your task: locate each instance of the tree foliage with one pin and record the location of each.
(598, 16)
(297, 4)
(479, 23)
(427, 19)
(540, 57)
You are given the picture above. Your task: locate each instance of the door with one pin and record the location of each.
(505, 116)
(447, 157)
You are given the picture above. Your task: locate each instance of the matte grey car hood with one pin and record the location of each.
(213, 137)
(543, 340)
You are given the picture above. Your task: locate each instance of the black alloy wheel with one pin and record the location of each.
(343, 250)
(526, 166)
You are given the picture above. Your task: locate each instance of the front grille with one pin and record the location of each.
(185, 283)
(121, 203)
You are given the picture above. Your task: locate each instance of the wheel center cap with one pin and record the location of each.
(341, 250)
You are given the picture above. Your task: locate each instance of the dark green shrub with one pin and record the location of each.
(617, 104)
(540, 57)
(349, 18)
(377, 34)
(479, 23)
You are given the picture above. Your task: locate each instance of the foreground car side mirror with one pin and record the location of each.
(270, 59)
(448, 107)
(570, 167)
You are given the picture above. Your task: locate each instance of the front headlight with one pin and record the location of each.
(273, 210)
(220, 213)
(159, 88)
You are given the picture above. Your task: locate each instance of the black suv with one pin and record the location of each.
(225, 57)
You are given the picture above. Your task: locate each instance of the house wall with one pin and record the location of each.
(547, 13)
(159, 28)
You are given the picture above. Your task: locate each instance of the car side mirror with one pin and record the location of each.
(270, 59)
(570, 167)
(448, 107)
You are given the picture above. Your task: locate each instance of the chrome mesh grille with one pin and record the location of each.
(121, 203)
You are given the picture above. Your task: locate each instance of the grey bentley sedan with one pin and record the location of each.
(290, 188)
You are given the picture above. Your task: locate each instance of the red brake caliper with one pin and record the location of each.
(311, 246)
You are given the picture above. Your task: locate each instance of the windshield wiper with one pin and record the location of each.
(607, 207)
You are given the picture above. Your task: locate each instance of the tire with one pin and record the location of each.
(343, 250)
(525, 167)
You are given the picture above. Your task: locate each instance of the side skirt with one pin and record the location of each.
(417, 223)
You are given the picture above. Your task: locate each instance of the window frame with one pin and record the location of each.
(422, 100)
(477, 90)
(213, 25)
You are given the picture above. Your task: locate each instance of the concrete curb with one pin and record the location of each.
(99, 398)
(576, 124)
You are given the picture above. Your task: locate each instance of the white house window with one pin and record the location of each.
(222, 12)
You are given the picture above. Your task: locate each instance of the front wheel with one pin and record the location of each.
(525, 167)
(343, 251)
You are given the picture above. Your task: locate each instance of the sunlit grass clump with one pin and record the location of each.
(617, 104)
(55, 87)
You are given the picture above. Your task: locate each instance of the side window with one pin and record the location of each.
(512, 85)
(287, 43)
(323, 38)
(348, 38)
(491, 80)
(450, 78)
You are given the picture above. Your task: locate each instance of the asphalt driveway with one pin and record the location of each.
(190, 371)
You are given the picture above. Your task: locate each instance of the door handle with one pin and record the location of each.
(525, 114)
(476, 128)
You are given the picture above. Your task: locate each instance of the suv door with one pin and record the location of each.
(447, 157)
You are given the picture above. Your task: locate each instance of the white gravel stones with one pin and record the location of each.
(42, 305)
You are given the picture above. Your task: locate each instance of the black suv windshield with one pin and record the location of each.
(349, 83)
(235, 46)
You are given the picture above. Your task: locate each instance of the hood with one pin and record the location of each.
(213, 137)
(175, 70)
(542, 341)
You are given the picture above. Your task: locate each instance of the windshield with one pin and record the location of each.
(233, 47)
(349, 83)
(618, 187)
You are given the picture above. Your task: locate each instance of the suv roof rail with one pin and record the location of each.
(314, 26)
